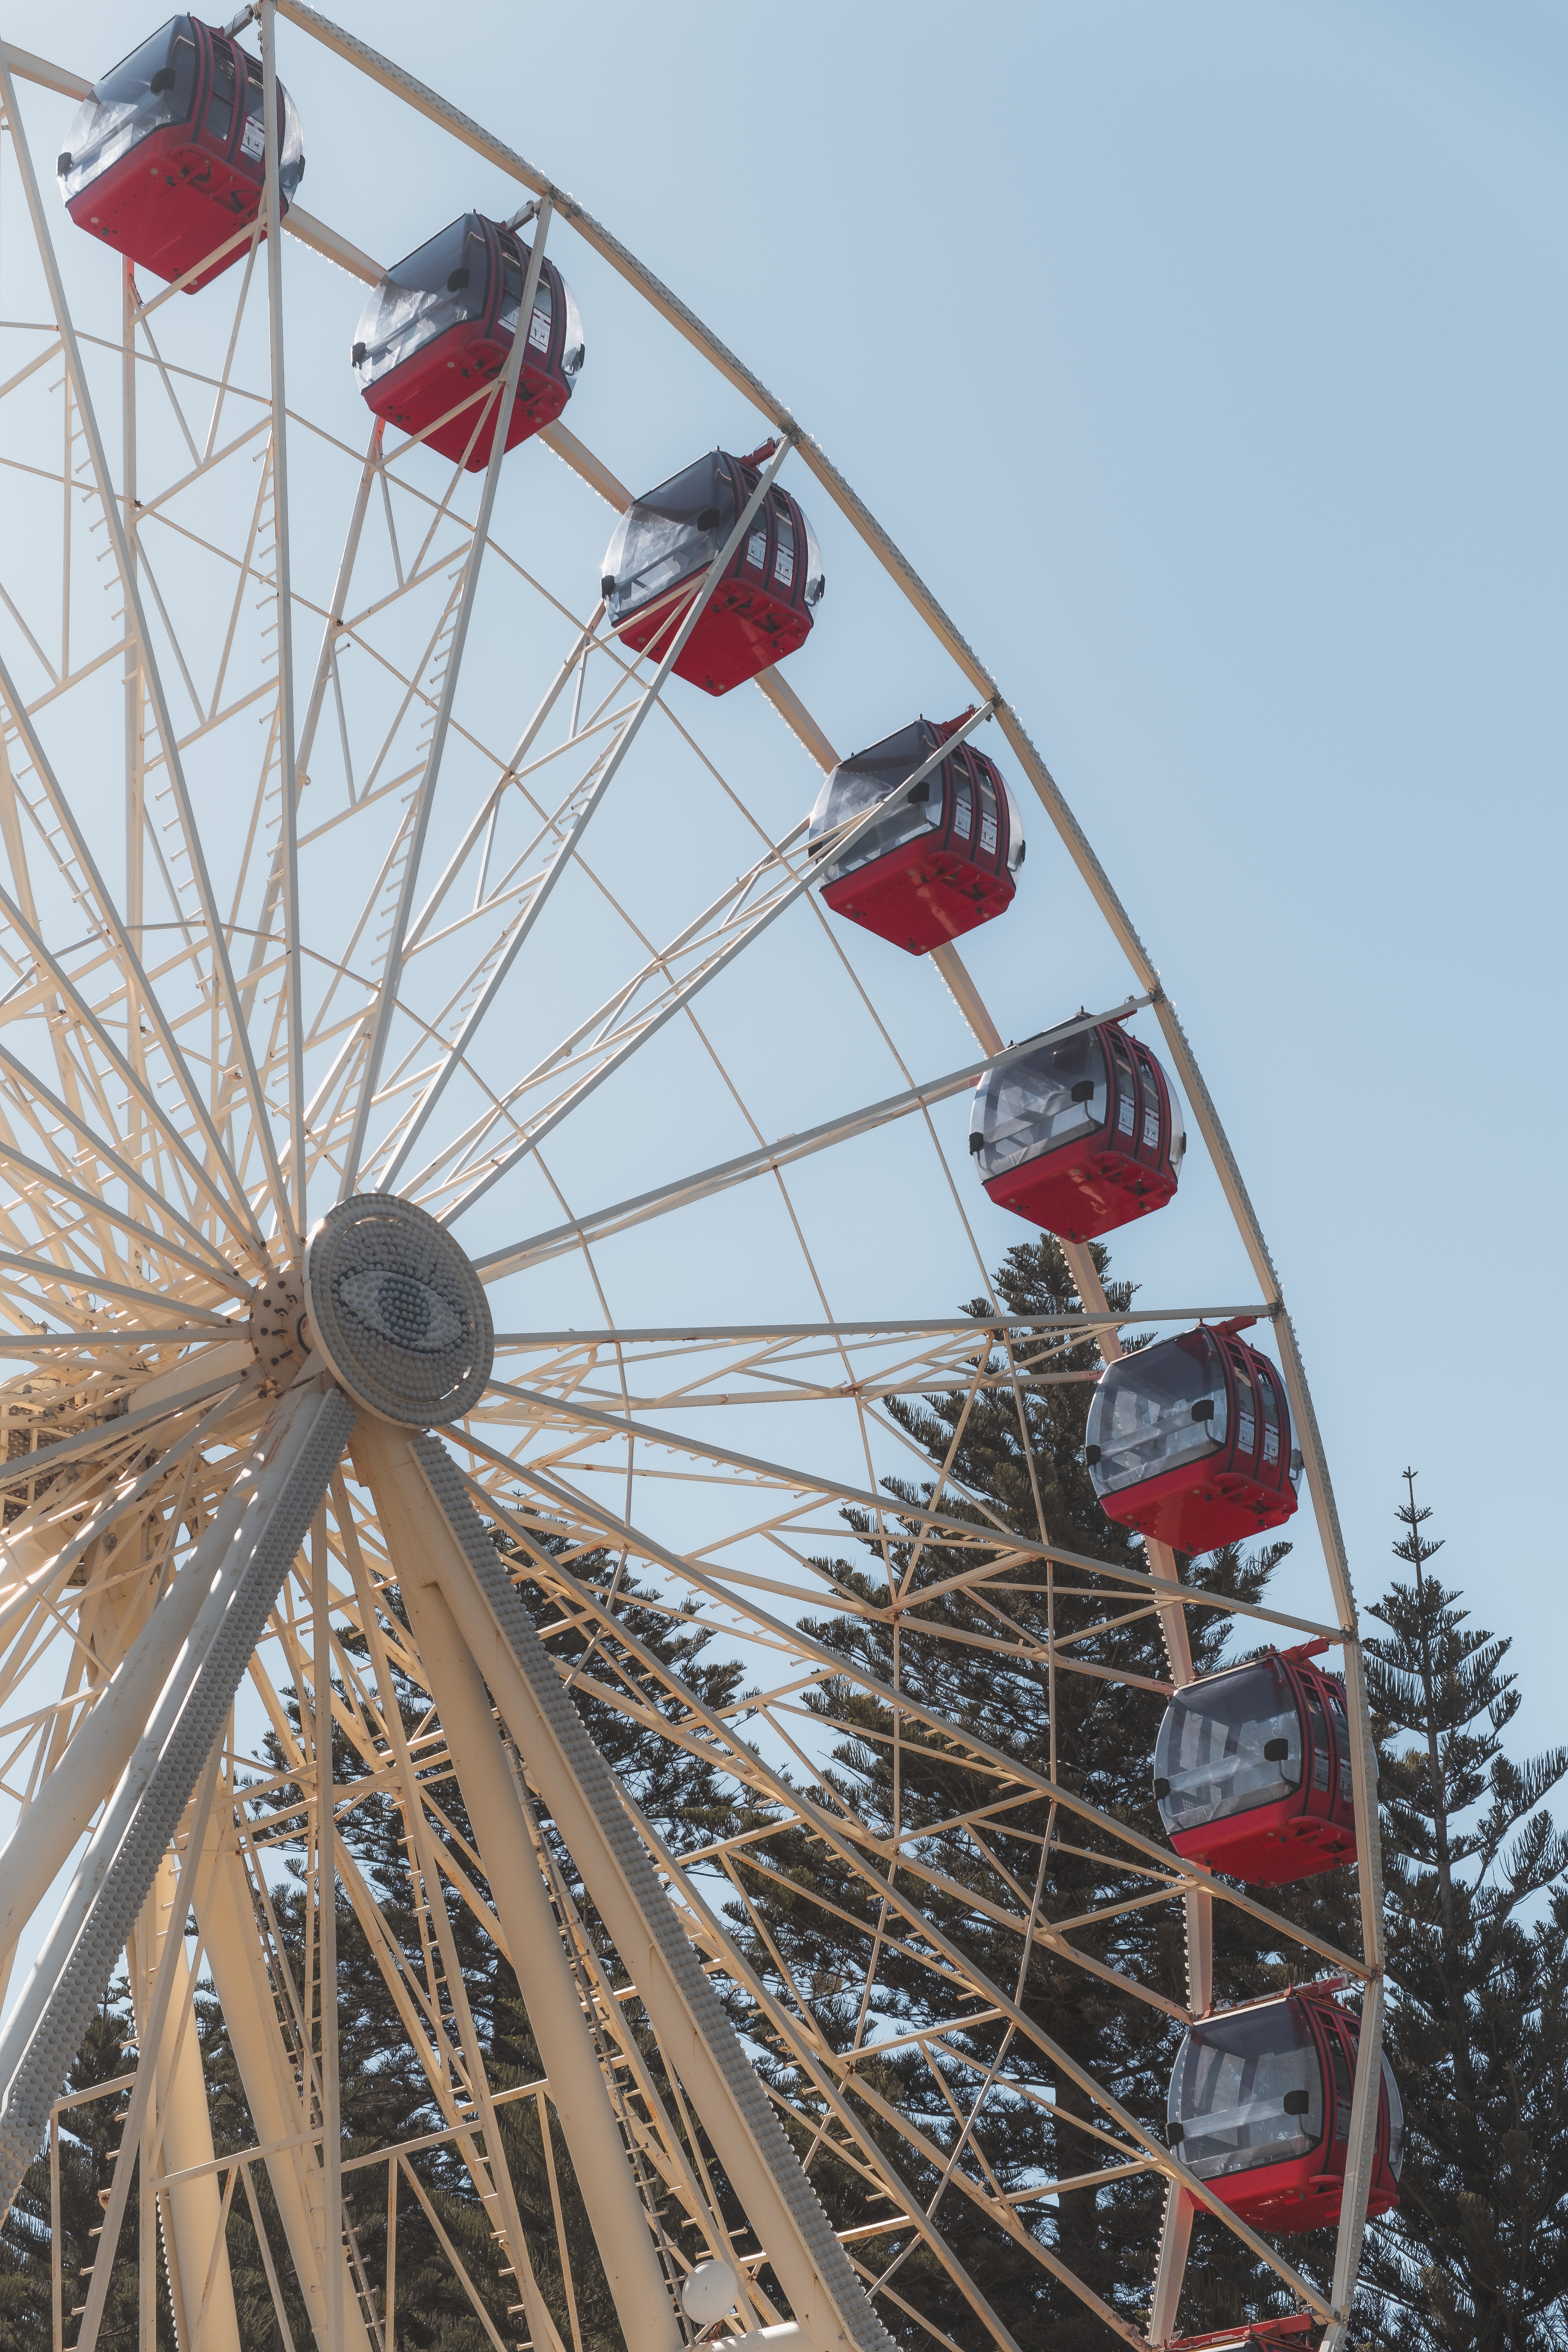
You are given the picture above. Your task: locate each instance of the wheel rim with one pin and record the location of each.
(208, 1046)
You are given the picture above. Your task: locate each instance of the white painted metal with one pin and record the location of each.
(415, 1533)
(179, 2136)
(279, 2109)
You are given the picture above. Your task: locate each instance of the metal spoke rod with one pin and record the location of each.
(385, 1000)
(606, 776)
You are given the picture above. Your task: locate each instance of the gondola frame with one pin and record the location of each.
(1230, 1492)
(1127, 1167)
(756, 616)
(1289, 1838)
(206, 182)
(450, 370)
(1305, 2191)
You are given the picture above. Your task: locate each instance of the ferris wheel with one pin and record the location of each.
(416, 1216)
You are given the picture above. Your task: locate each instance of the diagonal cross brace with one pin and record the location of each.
(78, 1957)
(580, 1790)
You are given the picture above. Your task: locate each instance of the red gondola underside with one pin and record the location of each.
(1083, 1191)
(186, 186)
(1288, 2200)
(744, 630)
(168, 202)
(1196, 1510)
(451, 373)
(919, 898)
(1270, 1846)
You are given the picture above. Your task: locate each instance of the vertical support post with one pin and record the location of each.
(136, 839)
(389, 2293)
(1175, 2240)
(56, 2273)
(147, 2245)
(148, 2042)
(141, 1959)
(327, 1934)
(287, 784)
(177, 2138)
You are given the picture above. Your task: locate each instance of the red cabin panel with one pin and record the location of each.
(1252, 1770)
(166, 159)
(438, 331)
(1079, 1135)
(943, 855)
(761, 608)
(742, 631)
(1259, 2110)
(1189, 1441)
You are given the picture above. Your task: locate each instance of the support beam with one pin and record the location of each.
(1175, 2241)
(769, 1157)
(694, 2034)
(416, 1532)
(278, 2111)
(102, 1747)
(182, 2125)
(44, 2030)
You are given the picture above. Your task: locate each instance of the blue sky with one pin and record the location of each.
(1208, 363)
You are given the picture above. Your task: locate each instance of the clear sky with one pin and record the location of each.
(1208, 362)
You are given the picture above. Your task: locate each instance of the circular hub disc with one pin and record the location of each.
(397, 1311)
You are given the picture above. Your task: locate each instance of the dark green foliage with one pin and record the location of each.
(89, 2134)
(1475, 2259)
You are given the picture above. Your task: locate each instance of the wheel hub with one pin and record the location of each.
(277, 1333)
(397, 1311)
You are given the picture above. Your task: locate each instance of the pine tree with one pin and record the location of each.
(1476, 2258)
(1102, 1742)
(89, 2134)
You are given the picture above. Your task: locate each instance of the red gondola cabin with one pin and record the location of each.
(763, 607)
(1259, 2108)
(940, 859)
(166, 159)
(1252, 1770)
(1080, 1136)
(1189, 1441)
(438, 329)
